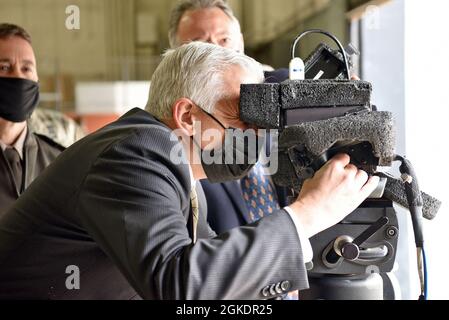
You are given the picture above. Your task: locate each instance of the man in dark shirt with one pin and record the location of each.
(24, 155)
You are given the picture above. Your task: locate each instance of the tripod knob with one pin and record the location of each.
(350, 251)
(345, 247)
(348, 248)
(342, 247)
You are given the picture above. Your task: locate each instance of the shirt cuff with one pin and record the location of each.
(307, 251)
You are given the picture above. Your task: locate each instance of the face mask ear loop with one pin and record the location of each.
(214, 118)
(196, 146)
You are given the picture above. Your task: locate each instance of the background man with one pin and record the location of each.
(24, 155)
(230, 204)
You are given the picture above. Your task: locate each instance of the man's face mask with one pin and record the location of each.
(236, 156)
(18, 98)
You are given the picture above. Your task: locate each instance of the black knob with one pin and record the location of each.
(350, 251)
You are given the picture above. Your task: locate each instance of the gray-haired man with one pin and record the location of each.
(124, 214)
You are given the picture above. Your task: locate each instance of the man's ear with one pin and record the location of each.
(183, 116)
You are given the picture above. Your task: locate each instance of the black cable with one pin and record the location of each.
(414, 199)
(340, 46)
(415, 203)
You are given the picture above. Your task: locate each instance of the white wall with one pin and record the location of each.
(383, 49)
(405, 54)
(427, 116)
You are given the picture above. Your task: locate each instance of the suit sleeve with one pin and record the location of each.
(132, 203)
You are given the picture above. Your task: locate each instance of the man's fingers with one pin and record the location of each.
(340, 160)
(351, 168)
(361, 178)
(370, 186)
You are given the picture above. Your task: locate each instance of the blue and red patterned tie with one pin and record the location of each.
(259, 194)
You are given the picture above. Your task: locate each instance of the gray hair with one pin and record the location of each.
(195, 71)
(185, 5)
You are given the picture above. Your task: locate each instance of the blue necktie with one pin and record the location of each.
(259, 194)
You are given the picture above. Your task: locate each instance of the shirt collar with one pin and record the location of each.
(192, 179)
(18, 145)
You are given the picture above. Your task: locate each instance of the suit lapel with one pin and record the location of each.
(235, 194)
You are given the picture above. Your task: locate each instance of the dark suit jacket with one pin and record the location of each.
(39, 151)
(116, 206)
(276, 76)
(226, 206)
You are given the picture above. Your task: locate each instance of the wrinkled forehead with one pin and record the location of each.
(17, 49)
(206, 21)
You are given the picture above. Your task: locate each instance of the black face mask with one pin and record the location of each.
(236, 157)
(18, 98)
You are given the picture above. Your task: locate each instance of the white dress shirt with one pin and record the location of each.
(18, 145)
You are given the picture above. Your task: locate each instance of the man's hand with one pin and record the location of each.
(332, 194)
